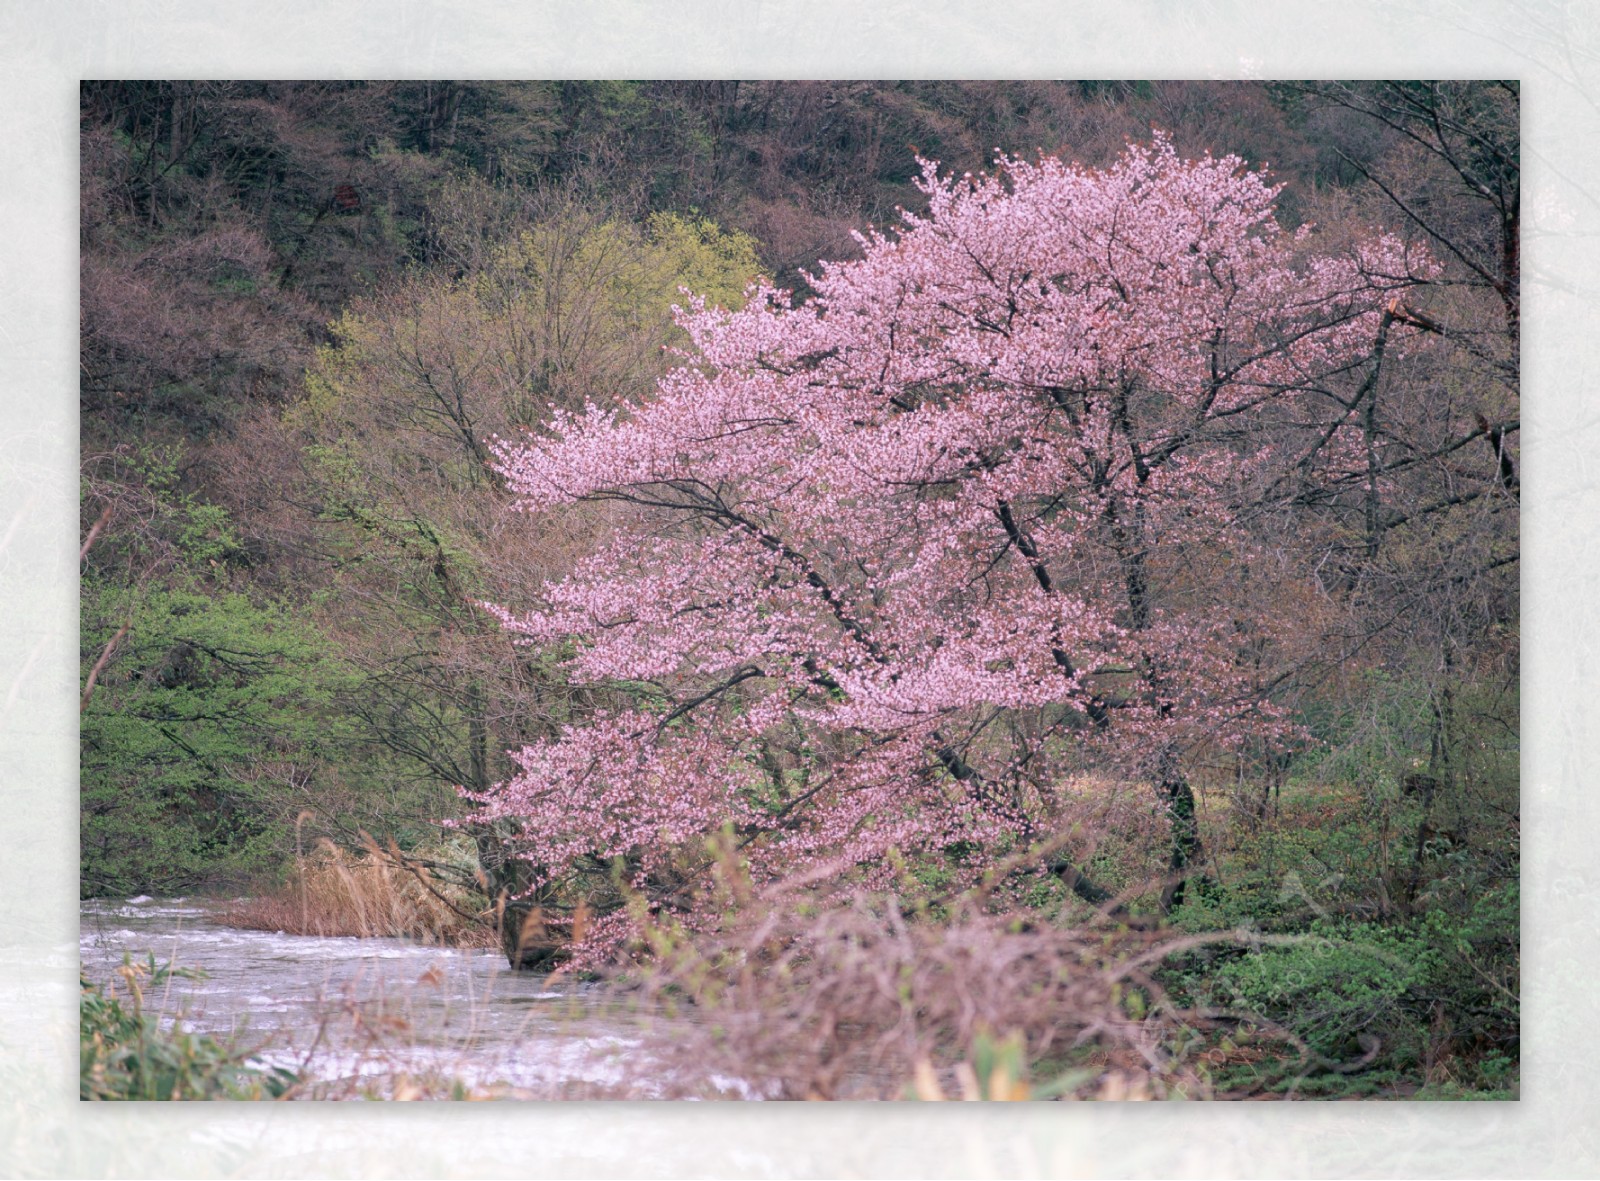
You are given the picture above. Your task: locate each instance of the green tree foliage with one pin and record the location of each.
(202, 703)
(188, 741)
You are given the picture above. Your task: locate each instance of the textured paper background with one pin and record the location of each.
(46, 48)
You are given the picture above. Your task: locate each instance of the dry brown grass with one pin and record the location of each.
(803, 998)
(368, 895)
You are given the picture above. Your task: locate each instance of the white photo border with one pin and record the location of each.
(1554, 47)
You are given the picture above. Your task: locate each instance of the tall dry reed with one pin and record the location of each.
(371, 894)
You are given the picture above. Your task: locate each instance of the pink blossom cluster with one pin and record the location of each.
(900, 554)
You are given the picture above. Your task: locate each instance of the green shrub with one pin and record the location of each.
(1432, 999)
(207, 689)
(1329, 988)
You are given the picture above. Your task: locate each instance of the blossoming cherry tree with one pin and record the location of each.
(886, 566)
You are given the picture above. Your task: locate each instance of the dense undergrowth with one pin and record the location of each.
(1306, 965)
(1401, 980)
(1284, 978)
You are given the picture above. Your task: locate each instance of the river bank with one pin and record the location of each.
(376, 1017)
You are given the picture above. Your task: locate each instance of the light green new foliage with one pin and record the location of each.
(565, 307)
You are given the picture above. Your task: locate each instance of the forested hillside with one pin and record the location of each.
(1131, 539)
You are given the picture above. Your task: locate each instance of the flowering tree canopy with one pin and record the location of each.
(888, 565)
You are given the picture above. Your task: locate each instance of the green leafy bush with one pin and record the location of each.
(203, 694)
(208, 688)
(1329, 988)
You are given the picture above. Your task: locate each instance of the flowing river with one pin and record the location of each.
(370, 1016)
